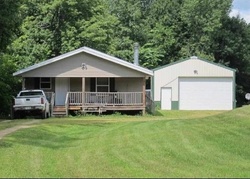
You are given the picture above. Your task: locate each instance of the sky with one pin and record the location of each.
(241, 7)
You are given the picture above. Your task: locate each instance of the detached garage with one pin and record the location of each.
(194, 84)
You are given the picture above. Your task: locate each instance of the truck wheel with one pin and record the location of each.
(43, 115)
(15, 115)
(18, 115)
(47, 114)
(22, 116)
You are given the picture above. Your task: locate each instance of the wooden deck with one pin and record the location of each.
(106, 107)
(105, 101)
(101, 102)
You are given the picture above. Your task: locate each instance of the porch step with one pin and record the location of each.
(59, 111)
(59, 114)
(59, 108)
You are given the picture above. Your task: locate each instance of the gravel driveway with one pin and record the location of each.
(21, 126)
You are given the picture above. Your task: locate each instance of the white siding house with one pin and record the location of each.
(194, 84)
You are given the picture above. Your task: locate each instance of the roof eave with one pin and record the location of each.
(49, 61)
(182, 60)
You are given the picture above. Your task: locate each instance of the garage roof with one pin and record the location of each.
(196, 58)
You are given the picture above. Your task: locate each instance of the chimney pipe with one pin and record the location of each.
(136, 53)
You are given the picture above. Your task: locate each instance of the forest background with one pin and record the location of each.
(32, 31)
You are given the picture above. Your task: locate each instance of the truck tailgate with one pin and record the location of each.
(27, 101)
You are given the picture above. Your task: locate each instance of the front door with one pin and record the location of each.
(166, 98)
(62, 87)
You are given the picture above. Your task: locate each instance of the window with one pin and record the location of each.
(102, 84)
(31, 93)
(45, 83)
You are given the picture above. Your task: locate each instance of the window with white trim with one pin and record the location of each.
(102, 84)
(45, 83)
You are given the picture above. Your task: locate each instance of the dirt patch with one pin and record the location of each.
(5, 121)
(21, 126)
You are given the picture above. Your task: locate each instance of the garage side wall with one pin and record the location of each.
(168, 76)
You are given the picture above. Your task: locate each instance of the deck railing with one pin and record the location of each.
(106, 98)
(75, 98)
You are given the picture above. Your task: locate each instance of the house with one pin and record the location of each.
(88, 80)
(194, 84)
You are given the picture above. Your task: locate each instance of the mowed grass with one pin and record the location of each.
(172, 144)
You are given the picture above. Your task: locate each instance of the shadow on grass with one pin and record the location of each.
(75, 121)
(56, 137)
(158, 113)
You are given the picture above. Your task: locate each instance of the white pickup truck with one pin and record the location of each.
(31, 102)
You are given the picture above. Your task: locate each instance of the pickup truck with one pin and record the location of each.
(31, 102)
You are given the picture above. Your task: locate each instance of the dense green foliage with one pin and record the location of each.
(187, 146)
(232, 48)
(166, 30)
(9, 85)
(9, 23)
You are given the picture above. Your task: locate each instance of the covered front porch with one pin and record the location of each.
(92, 94)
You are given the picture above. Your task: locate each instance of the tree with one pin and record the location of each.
(9, 85)
(98, 31)
(50, 28)
(199, 19)
(169, 30)
(9, 22)
(139, 22)
(232, 48)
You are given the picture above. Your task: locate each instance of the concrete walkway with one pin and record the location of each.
(20, 126)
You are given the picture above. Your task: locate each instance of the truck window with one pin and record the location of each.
(31, 93)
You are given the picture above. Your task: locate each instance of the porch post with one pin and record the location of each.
(144, 95)
(83, 91)
(23, 84)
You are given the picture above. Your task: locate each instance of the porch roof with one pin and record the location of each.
(88, 51)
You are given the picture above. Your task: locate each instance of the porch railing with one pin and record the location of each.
(75, 98)
(106, 98)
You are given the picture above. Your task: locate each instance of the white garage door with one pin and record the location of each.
(205, 93)
(166, 95)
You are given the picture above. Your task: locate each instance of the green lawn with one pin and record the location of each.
(171, 144)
